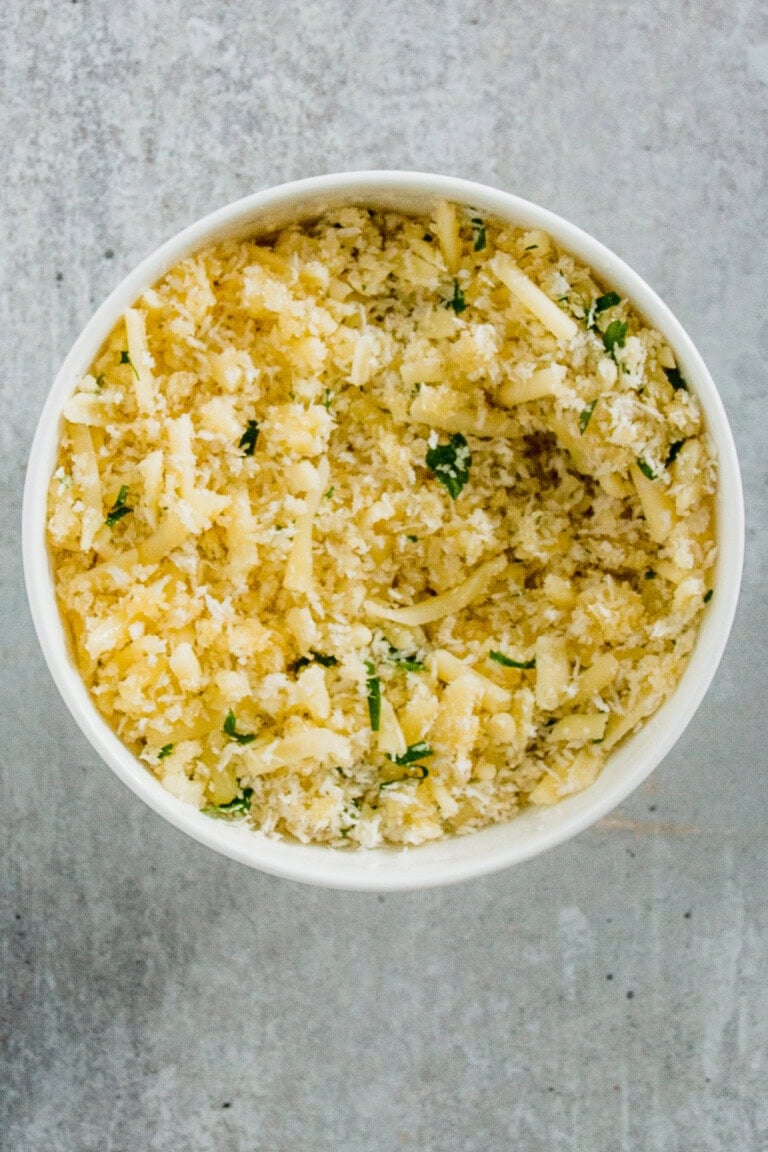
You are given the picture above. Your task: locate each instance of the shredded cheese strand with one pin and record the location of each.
(298, 571)
(142, 362)
(531, 296)
(446, 604)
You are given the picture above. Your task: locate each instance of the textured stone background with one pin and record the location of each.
(610, 995)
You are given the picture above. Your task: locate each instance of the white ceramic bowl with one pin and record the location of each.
(450, 860)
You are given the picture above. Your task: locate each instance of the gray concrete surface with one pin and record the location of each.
(610, 995)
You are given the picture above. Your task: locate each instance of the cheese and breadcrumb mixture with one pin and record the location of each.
(383, 528)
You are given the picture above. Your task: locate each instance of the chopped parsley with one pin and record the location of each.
(676, 379)
(650, 574)
(125, 358)
(457, 301)
(249, 438)
(674, 450)
(418, 751)
(165, 751)
(313, 658)
(373, 686)
(119, 508)
(530, 248)
(413, 539)
(708, 595)
(451, 463)
(478, 233)
(609, 300)
(507, 662)
(327, 399)
(327, 495)
(230, 728)
(646, 468)
(585, 416)
(405, 660)
(100, 380)
(240, 806)
(427, 237)
(615, 336)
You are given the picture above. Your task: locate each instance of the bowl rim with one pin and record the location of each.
(456, 858)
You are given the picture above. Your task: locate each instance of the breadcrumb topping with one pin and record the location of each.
(381, 529)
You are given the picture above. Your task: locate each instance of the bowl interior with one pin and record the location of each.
(534, 830)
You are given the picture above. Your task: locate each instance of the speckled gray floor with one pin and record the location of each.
(610, 995)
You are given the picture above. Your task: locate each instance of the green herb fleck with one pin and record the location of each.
(646, 468)
(119, 508)
(609, 300)
(413, 539)
(530, 248)
(650, 574)
(125, 358)
(478, 233)
(230, 728)
(165, 751)
(100, 380)
(373, 686)
(404, 660)
(418, 751)
(249, 438)
(313, 658)
(327, 495)
(451, 463)
(427, 237)
(674, 450)
(585, 416)
(615, 336)
(708, 595)
(457, 302)
(240, 806)
(506, 662)
(676, 379)
(327, 399)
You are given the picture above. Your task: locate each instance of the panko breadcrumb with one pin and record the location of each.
(382, 528)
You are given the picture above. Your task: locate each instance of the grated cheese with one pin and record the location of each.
(277, 603)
